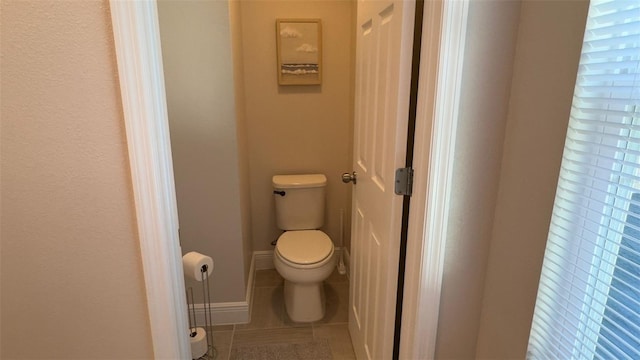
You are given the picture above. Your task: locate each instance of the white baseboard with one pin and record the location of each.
(225, 313)
(264, 259)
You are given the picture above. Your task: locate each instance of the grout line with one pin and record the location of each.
(282, 316)
(233, 333)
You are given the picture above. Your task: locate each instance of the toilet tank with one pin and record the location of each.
(300, 201)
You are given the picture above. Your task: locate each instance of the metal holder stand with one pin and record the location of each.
(212, 352)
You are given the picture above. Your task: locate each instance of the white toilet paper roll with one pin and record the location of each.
(198, 343)
(192, 264)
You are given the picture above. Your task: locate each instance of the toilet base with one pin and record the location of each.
(305, 302)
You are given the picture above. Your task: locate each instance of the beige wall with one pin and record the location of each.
(549, 43)
(486, 80)
(297, 129)
(518, 77)
(72, 284)
(232, 127)
(201, 101)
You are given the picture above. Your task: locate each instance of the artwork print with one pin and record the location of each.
(299, 51)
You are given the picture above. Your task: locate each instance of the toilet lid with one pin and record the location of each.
(304, 246)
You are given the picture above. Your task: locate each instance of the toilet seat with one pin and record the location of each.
(304, 247)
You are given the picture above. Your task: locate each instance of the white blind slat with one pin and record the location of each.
(610, 41)
(588, 302)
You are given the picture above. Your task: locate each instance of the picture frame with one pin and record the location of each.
(299, 49)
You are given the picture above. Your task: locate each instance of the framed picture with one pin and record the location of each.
(299, 51)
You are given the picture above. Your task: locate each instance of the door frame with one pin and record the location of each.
(137, 45)
(441, 61)
(139, 59)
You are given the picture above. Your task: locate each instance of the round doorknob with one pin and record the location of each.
(347, 178)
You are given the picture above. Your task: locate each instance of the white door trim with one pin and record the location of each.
(443, 42)
(137, 44)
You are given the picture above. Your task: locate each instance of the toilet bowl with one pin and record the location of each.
(304, 258)
(303, 255)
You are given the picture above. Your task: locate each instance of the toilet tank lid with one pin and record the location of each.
(299, 181)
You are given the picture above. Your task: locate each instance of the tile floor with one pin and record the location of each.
(271, 324)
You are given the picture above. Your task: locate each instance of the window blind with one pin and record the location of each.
(588, 302)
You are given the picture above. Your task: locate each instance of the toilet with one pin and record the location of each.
(303, 255)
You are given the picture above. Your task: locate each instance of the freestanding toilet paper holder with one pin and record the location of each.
(211, 352)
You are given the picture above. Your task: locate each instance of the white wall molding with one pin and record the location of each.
(224, 313)
(264, 259)
(137, 44)
(441, 63)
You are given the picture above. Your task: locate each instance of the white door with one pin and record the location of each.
(383, 71)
